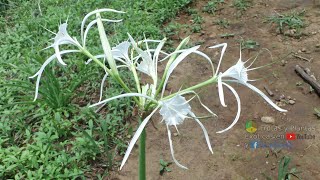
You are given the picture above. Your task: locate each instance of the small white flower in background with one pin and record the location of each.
(239, 73)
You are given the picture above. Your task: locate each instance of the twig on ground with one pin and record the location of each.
(303, 58)
(313, 83)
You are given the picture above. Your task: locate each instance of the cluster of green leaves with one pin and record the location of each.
(223, 23)
(212, 6)
(249, 44)
(164, 166)
(241, 5)
(293, 20)
(57, 136)
(283, 172)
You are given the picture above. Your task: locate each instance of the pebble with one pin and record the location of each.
(175, 134)
(292, 102)
(303, 49)
(268, 119)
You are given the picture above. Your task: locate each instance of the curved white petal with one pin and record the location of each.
(93, 23)
(58, 55)
(39, 73)
(102, 84)
(220, 91)
(136, 136)
(206, 57)
(203, 105)
(265, 97)
(172, 151)
(239, 108)
(224, 47)
(92, 13)
(121, 96)
(180, 58)
(203, 129)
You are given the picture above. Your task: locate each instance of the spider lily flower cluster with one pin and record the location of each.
(174, 108)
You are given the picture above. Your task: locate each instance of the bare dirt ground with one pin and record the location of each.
(233, 158)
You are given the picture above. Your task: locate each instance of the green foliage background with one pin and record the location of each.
(57, 136)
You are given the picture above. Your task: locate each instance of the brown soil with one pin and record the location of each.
(232, 159)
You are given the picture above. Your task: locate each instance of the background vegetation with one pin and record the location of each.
(58, 136)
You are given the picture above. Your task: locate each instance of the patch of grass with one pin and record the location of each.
(172, 29)
(283, 169)
(290, 21)
(212, 6)
(191, 11)
(227, 35)
(196, 28)
(241, 5)
(223, 23)
(249, 44)
(197, 19)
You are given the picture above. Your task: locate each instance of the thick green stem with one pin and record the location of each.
(192, 88)
(142, 154)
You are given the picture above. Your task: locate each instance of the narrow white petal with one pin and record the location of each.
(39, 73)
(121, 96)
(58, 55)
(171, 149)
(203, 129)
(224, 47)
(102, 84)
(265, 97)
(180, 58)
(206, 57)
(203, 105)
(92, 13)
(93, 23)
(136, 136)
(239, 108)
(220, 91)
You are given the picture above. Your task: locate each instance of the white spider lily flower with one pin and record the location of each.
(62, 37)
(39, 73)
(122, 51)
(173, 111)
(239, 74)
(149, 63)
